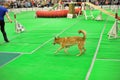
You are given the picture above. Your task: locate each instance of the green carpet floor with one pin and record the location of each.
(37, 60)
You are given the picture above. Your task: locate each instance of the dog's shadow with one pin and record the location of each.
(62, 54)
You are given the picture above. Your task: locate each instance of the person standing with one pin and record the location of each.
(3, 12)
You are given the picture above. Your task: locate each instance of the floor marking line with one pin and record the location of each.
(96, 52)
(117, 60)
(51, 39)
(14, 52)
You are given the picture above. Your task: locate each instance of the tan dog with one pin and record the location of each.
(66, 42)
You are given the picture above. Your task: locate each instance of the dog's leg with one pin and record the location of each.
(80, 48)
(65, 50)
(80, 53)
(84, 49)
(58, 50)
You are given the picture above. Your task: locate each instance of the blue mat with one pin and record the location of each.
(7, 57)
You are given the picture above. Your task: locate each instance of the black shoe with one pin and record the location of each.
(6, 41)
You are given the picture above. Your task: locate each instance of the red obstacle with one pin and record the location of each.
(55, 13)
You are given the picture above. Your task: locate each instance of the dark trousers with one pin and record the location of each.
(2, 28)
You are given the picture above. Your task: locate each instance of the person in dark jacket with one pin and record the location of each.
(3, 12)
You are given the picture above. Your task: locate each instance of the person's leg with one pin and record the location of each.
(2, 23)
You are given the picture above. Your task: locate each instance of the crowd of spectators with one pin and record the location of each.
(28, 3)
(42, 3)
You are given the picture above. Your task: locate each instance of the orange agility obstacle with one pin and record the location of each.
(55, 13)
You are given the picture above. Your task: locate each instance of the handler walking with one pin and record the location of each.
(3, 12)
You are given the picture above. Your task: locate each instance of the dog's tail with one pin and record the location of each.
(83, 32)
